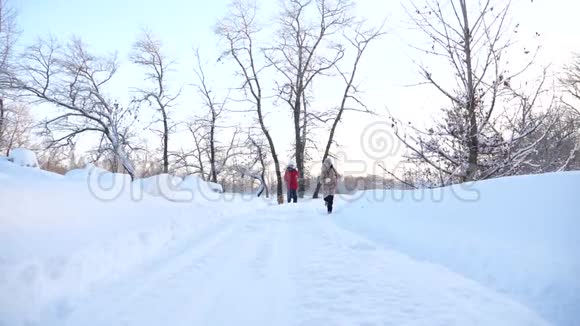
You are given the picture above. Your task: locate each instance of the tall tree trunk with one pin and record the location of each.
(265, 185)
(263, 172)
(302, 166)
(2, 117)
(213, 173)
(120, 154)
(242, 37)
(472, 142)
(298, 150)
(165, 143)
(279, 191)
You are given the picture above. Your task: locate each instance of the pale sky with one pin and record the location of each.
(113, 25)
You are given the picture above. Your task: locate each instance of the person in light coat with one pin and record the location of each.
(329, 180)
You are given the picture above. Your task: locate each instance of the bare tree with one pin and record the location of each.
(507, 144)
(210, 123)
(8, 37)
(254, 161)
(227, 152)
(238, 29)
(18, 127)
(360, 41)
(261, 157)
(470, 141)
(74, 80)
(193, 160)
(55, 159)
(571, 83)
(146, 161)
(557, 146)
(199, 159)
(455, 37)
(304, 50)
(571, 103)
(148, 54)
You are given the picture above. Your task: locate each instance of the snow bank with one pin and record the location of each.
(23, 157)
(163, 185)
(517, 235)
(201, 190)
(10, 170)
(189, 189)
(102, 183)
(59, 239)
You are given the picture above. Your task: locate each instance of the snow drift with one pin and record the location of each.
(60, 237)
(517, 235)
(163, 185)
(201, 190)
(10, 170)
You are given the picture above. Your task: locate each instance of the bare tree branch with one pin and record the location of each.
(147, 53)
(72, 79)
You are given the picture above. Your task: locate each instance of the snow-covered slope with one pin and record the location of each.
(517, 235)
(60, 236)
(9, 170)
(94, 248)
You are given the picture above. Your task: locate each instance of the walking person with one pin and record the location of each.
(329, 178)
(291, 179)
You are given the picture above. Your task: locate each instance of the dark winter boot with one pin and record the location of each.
(328, 202)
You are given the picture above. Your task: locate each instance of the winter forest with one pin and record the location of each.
(497, 110)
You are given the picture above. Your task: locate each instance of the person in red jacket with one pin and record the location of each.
(291, 179)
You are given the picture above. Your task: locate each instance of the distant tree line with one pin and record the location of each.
(500, 120)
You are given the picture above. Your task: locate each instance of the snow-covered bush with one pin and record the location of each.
(23, 157)
(10, 170)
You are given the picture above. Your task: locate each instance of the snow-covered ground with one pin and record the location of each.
(62, 236)
(75, 254)
(517, 235)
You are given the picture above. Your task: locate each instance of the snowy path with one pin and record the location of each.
(290, 267)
